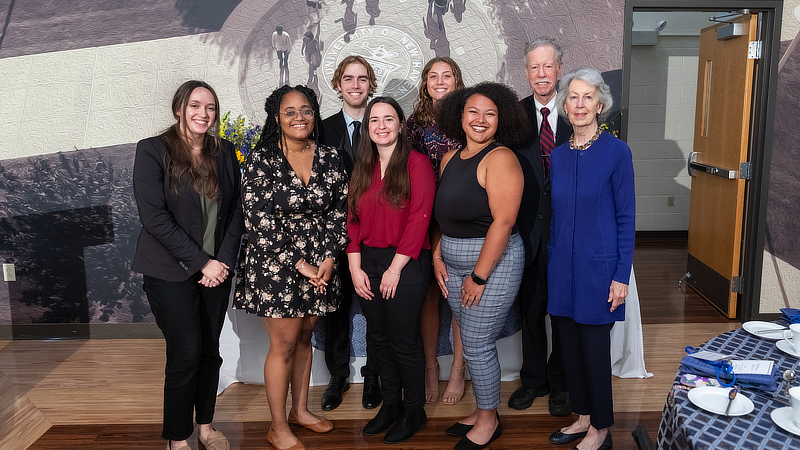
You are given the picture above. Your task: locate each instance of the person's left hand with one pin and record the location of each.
(617, 294)
(324, 273)
(389, 282)
(470, 293)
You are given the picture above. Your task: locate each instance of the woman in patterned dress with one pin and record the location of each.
(440, 76)
(295, 207)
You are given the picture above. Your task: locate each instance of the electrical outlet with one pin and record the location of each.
(8, 273)
(671, 200)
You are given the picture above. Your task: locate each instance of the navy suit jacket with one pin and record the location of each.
(335, 135)
(535, 210)
(170, 246)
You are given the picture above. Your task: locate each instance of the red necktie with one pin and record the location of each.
(547, 141)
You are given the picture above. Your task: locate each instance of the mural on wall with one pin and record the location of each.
(81, 88)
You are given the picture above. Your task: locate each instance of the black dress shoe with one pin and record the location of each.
(406, 427)
(523, 397)
(606, 445)
(386, 416)
(466, 444)
(372, 396)
(458, 430)
(332, 397)
(559, 403)
(559, 438)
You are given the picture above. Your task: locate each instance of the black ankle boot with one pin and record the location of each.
(386, 416)
(406, 427)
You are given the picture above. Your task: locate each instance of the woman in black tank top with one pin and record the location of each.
(479, 256)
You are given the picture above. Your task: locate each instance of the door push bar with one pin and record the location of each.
(693, 166)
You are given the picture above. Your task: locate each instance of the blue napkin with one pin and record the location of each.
(791, 314)
(766, 383)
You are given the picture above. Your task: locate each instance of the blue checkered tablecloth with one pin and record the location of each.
(685, 426)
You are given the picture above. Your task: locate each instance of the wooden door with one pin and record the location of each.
(721, 137)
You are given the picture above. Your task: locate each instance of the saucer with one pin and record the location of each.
(755, 326)
(783, 418)
(715, 400)
(787, 347)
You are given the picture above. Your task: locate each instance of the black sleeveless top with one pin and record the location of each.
(462, 205)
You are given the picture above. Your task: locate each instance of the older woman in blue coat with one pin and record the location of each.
(591, 252)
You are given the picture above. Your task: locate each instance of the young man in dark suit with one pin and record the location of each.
(540, 376)
(355, 81)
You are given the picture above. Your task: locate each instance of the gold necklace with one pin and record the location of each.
(587, 144)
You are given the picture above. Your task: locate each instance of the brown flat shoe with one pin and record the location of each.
(215, 441)
(323, 426)
(271, 438)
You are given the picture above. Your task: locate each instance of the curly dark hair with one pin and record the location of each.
(512, 122)
(271, 133)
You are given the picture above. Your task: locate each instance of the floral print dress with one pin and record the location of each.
(284, 222)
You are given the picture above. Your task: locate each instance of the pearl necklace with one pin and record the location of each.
(308, 144)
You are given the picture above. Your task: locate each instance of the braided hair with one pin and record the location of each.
(271, 132)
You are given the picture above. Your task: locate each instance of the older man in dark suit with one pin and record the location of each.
(540, 376)
(355, 81)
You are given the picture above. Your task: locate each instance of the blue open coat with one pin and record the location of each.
(592, 229)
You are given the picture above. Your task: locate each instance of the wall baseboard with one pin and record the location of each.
(80, 331)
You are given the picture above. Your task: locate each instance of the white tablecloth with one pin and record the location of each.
(244, 344)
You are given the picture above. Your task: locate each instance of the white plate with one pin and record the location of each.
(783, 418)
(754, 326)
(787, 347)
(715, 400)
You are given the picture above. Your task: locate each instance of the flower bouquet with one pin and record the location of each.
(241, 133)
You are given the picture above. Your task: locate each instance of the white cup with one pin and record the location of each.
(793, 334)
(794, 394)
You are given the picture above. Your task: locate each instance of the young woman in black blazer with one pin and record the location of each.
(187, 187)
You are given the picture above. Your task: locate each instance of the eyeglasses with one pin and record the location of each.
(305, 112)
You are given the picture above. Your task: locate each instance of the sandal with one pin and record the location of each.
(457, 395)
(431, 396)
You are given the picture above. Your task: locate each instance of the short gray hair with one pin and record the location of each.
(541, 41)
(593, 78)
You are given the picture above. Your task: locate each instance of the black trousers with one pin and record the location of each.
(537, 371)
(190, 317)
(337, 331)
(587, 359)
(394, 325)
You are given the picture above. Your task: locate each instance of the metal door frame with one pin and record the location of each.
(761, 135)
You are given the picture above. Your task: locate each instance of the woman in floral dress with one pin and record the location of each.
(295, 207)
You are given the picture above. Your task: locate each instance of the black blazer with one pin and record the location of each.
(335, 129)
(535, 210)
(170, 245)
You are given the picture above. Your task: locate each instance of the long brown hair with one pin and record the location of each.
(180, 161)
(396, 181)
(424, 113)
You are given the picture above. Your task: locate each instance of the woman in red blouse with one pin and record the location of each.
(390, 203)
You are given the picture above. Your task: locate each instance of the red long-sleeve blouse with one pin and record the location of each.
(382, 226)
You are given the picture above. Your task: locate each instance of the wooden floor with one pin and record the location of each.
(106, 394)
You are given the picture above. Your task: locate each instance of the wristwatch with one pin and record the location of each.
(477, 279)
